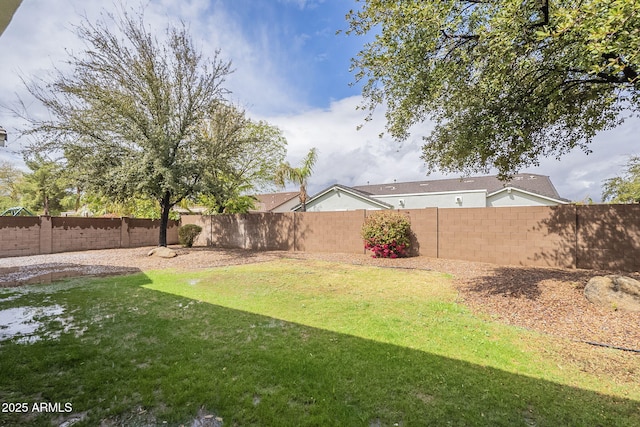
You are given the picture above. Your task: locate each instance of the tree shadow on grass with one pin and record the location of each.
(171, 356)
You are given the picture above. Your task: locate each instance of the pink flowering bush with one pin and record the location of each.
(386, 234)
(388, 250)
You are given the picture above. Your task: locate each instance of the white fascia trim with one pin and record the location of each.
(359, 196)
(433, 193)
(562, 202)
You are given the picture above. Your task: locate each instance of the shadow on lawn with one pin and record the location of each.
(182, 355)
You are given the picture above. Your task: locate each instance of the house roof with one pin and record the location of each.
(351, 190)
(533, 183)
(270, 201)
(9, 7)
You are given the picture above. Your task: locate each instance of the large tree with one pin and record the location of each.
(130, 113)
(505, 81)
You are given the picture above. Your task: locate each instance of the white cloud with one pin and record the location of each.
(39, 36)
(578, 176)
(346, 155)
(352, 157)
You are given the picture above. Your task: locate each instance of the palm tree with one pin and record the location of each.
(287, 173)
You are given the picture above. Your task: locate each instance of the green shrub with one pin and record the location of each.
(386, 234)
(188, 233)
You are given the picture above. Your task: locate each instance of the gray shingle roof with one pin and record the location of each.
(533, 183)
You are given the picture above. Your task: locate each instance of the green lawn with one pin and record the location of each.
(292, 343)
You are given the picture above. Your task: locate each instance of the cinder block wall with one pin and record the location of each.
(594, 236)
(608, 237)
(269, 231)
(81, 234)
(329, 231)
(227, 231)
(258, 231)
(534, 235)
(424, 226)
(146, 232)
(19, 236)
(590, 237)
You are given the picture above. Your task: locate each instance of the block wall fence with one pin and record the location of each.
(589, 237)
(21, 236)
(570, 236)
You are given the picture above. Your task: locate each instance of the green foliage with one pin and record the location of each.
(188, 233)
(45, 187)
(386, 234)
(240, 204)
(287, 173)
(134, 207)
(259, 150)
(10, 177)
(264, 152)
(227, 199)
(626, 188)
(505, 82)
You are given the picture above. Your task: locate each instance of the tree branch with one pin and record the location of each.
(544, 9)
(460, 36)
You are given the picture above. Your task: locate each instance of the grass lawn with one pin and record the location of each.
(291, 343)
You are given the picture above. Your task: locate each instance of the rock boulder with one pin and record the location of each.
(614, 292)
(162, 252)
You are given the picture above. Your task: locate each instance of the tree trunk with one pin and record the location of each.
(165, 207)
(303, 198)
(78, 196)
(46, 205)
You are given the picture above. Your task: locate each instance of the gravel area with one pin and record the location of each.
(543, 299)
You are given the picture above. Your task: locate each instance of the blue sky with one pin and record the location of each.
(299, 40)
(292, 70)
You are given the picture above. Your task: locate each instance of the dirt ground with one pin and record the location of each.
(547, 300)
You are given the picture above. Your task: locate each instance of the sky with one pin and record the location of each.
(290, 69)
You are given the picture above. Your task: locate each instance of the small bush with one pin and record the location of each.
(386, 234)
(188, 233)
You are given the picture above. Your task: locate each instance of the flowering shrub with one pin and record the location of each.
(386, 234)
(388, 250)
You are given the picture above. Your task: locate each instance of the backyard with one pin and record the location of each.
(217, 337)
